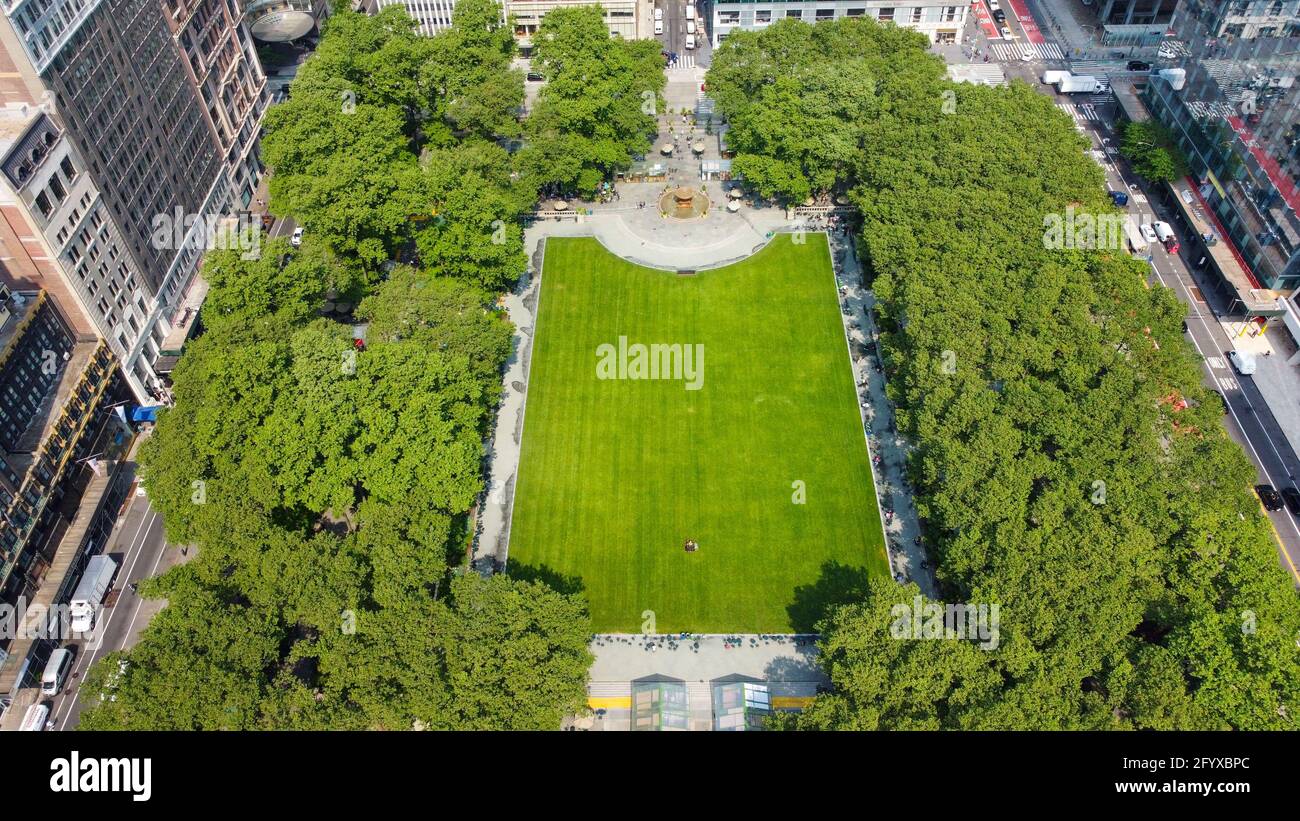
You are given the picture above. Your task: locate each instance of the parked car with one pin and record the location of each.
(534, 77)
(1167, 237)
(659, 27)
(296, 239)
(1120, 198)
(659, 14)
(1270, 498)
(1243, 362)
(1139, 65)
(1148, 233)
(1291, 496)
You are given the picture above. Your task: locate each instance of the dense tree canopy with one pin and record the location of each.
(1150, 148)
(596, 111)
(800, 99)
(327, 484)
(1068, 463)
(388, 144)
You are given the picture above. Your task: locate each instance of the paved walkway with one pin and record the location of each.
(889, 451)
(1277, 372)
(788, 665)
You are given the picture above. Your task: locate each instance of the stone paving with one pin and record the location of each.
(788, 664)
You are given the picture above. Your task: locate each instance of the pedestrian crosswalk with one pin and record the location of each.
(988, 74)
(1080, 111)
(684, 62)
(1010, 52)
(1097, 68)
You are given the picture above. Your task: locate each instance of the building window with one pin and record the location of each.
(855, 12)
(797, 14)
(43, 204)
(886, 15)
(68, 170)
(763, 16)
(825, 14)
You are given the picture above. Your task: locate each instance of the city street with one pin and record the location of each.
(1249, 421)
(140, 548)
(673, 39)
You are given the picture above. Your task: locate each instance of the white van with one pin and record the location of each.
(659, 27)
(56, 670)
(659, 14)
(690, 26)
(690, 41)
(690, 11)
(1243, 362)
(35, 717)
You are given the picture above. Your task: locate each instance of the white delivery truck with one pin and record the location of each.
(1166, 235)
(690, 41)
(690, 11)
(690, 26)
(1136, 243)
(1051, 78)
(35, 717)
(1082, 84)
(659, 27)
(90, 592)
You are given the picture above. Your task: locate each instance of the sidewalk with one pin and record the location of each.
(907, 559)
(1276, 376)
(1074, 26)
(787, 664)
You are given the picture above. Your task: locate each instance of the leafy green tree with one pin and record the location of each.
(1151, 150)
(473, 229)
(513, 653)
(596, 110)
(1058, 471)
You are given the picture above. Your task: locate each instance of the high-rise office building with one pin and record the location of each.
(124, 116)
(430, 16)
(1234, 113)
(61, 445)
(1134, 22)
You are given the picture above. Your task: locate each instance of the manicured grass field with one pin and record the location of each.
(616, 474)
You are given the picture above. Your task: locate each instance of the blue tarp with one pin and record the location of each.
(142, 414)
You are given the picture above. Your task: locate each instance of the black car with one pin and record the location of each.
(1271, 499)
(1138, 65)
(533, 76)
(1000, 15)
(1292, 498)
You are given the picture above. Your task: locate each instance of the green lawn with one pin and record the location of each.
(616, 474)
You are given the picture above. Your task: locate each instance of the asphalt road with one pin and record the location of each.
(674, 37)
(140, 547)
(283, 227)
(1249, 421)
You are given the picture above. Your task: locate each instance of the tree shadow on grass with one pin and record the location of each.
(838, 584)
(548, 576)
